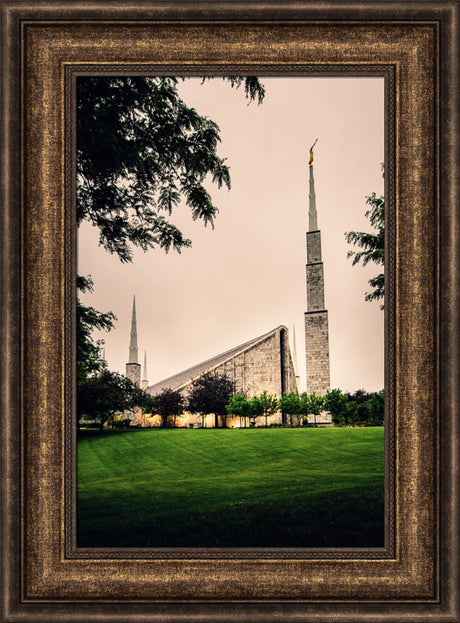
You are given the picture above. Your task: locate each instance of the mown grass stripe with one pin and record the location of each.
(253, 487)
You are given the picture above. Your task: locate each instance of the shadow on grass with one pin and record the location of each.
(349, 518)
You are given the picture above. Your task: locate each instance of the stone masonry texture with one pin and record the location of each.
(133, 373)
(317, 350)
(255, 369)
(259, 368)
(315, 287)
(313, 247)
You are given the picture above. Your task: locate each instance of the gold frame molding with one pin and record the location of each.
(415, 47)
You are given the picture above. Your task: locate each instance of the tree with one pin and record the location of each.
(311, 404)
(265, 404)
(89, 360)
(376, 409)
(169, 403)
(102, 396)
(140, 150)
(290, 404)
(351, 414)
(372, 245)
(360, 397)
(240, 406)
(336, 403)
(211, 393)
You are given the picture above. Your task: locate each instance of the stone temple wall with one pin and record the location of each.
(259, 368)
(317, 351)
(262, 364)
(133, 373)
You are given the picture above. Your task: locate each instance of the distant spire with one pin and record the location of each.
(294, 359)
(294, 349)
(133, 340)
(312, 214)
(145, 382)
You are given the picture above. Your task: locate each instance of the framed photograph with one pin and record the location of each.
(307, 110)
(221, 317)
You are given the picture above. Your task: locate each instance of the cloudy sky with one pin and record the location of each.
(247, 276)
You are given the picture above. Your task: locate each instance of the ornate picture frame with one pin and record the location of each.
(415, 47)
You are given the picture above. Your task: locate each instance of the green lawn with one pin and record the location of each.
(276, 487)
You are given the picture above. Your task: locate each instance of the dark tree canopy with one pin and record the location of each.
(210, 393)
(102, 396)
(376, 409)
(89, 360)
(336, 403)
(372, 245)
(168, 404)
(360, 407)
(140, 150)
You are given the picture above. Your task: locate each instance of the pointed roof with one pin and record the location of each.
(181, 380)
(133, 355)
(144, 378)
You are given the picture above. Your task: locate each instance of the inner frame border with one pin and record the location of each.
(365, 70)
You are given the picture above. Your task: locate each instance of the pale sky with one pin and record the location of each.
(247, 276)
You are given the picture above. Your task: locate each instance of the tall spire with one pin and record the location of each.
(316, 316)
(312, 214)
(133, 340)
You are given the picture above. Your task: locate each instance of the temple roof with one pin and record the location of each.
(182, 379)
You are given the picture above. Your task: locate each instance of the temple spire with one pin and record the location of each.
(145, 381)
(294, 349)
(312, 214)
(316, 316)
(294, 359)
(133, 356)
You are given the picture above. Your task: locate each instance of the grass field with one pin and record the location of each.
(280, 487)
